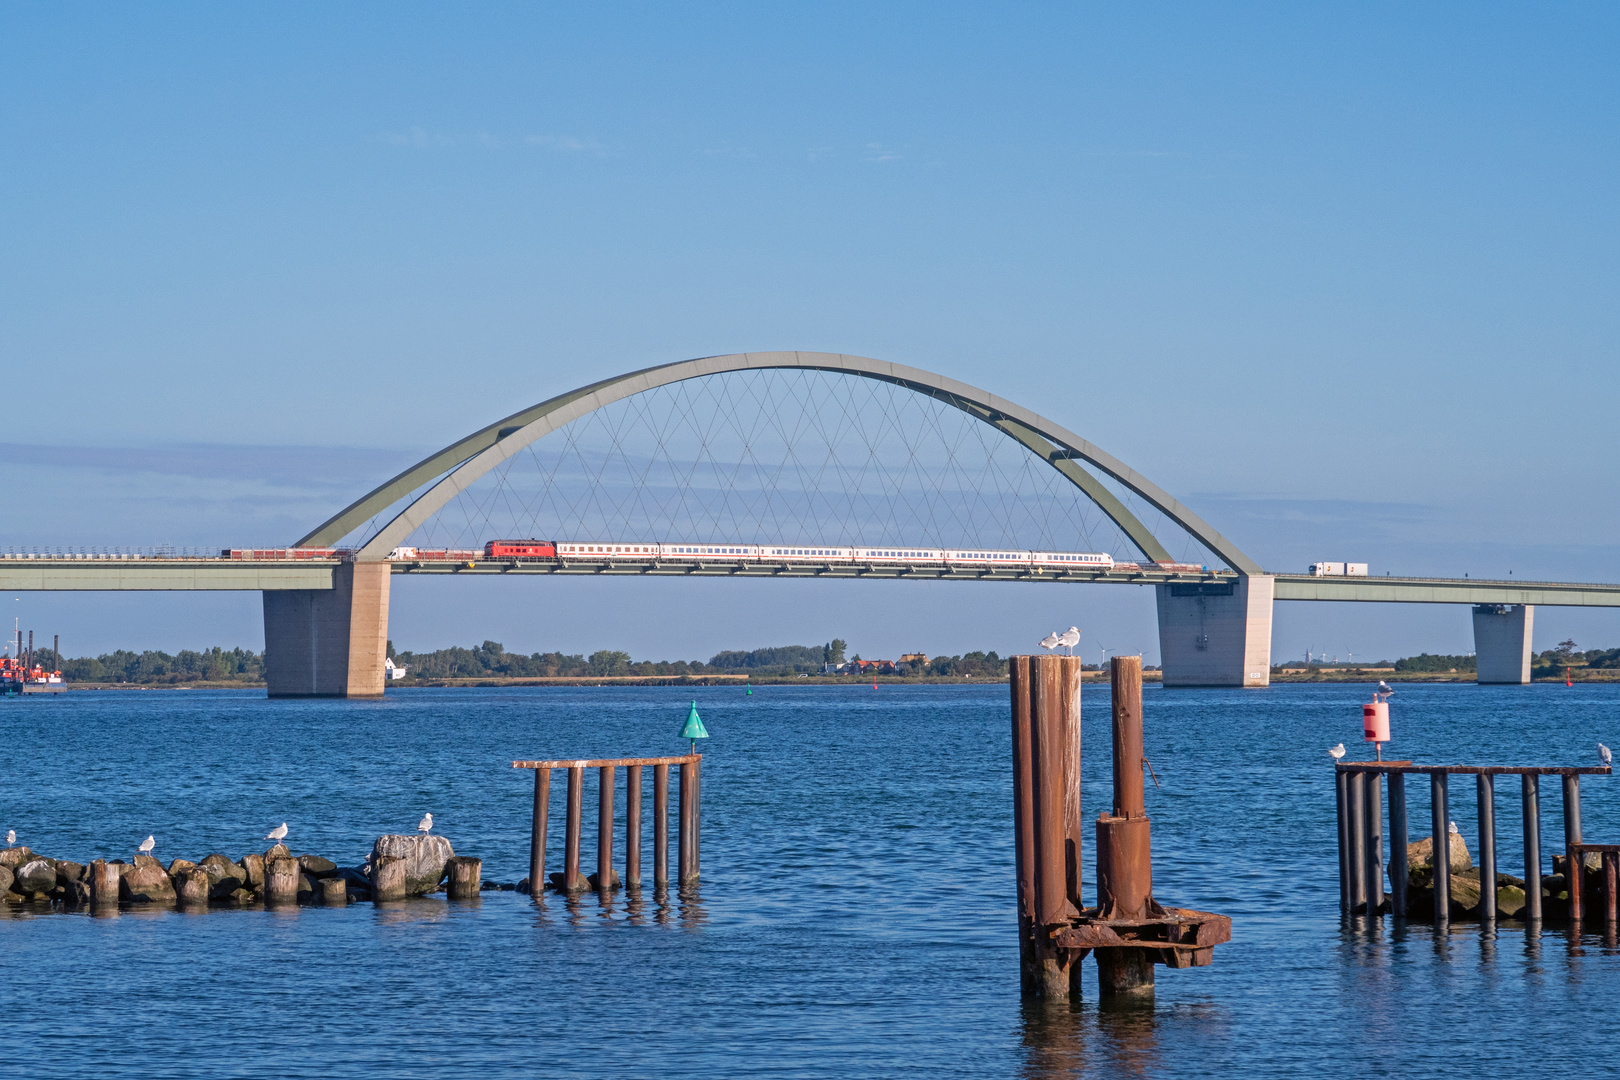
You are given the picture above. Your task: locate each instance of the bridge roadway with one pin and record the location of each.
(149, 573)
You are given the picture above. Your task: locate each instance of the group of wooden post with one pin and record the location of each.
(1361, 842)
(689, 833)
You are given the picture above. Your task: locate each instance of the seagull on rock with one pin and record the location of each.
(1070, 638)
(278, 834)
(1451, 828)
(147, 845)
(426, 824)
(11, 834)
(1336, 752)
(1050, 641)
(1603, 756)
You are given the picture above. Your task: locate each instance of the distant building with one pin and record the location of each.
(393, 670)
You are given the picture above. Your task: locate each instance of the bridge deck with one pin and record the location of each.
(35, 574)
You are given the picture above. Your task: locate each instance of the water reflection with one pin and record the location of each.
(1063, 1039)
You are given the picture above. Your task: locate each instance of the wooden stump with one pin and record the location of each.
(281, 881)
(465, 872)
(334, 891)
(104, 882)
(192, 887)
(387, 878)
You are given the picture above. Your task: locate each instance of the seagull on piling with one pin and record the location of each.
(426, 824)
(1604, 755)
(1050, 641)
(278, 834)
(1336, 752)
(1070, 638)
(147, 845)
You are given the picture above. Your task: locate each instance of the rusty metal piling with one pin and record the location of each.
(1574, 862)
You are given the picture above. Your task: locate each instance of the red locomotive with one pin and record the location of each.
(520, 549)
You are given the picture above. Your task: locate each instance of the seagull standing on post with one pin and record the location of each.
(278, 834)
(1070, 638)
(1603, 756)
(1336, 752)
(1050, 641)
(426, 824)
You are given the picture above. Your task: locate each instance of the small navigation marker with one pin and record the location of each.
(694, 729)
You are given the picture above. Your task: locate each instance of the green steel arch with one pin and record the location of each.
(463, 462)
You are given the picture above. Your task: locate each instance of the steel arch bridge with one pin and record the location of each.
(326, 619)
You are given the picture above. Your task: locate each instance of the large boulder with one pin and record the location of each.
(224, 876)
(253, 872)
(11, 858)
(5, 880)
(35, 876)
(317, 867)
(146, 882)
(1420, 860)
(424, 855)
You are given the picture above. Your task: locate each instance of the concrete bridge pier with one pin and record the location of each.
(329, 642)
(1502, 642)
(1216, 633)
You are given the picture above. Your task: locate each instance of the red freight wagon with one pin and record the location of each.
(520, 549)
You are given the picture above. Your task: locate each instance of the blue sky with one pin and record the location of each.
(1341, 278)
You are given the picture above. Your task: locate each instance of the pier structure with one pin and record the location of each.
(1128, 929)
(1359, 787)
(688, 836)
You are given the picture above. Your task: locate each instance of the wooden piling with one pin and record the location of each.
(604, 829)
(572, 882)
(1054, 722)
(104, 882)
(660, 826)
(1358, 844)
(1487, 847)
(1398, 833)
(1611, 882)
(465, 873)
(1023, 821)
(1341, 794)
(334, 892)
(387, 878)
(688, 867)
(1574, 862)
(1532, 847)
(281, 881)
(1373, 823)
(632, 827)
(1440, 822)
(537, 831)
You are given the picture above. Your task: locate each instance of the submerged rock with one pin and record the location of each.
(424, 856)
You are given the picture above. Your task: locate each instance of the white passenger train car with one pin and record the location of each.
(640, 551)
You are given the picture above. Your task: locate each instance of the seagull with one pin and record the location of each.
(1336, 752)
(1050, 641)
(147, 845)
(278, 834)
(1384, 687)
(1603, 755)
(11, 834)
(426, 824)
(1452, 829)
(1070, 638)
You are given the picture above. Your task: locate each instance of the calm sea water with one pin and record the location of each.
(856, 912)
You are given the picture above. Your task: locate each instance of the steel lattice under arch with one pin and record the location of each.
(460, 464)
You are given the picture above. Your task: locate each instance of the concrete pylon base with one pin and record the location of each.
(329, 642)
(1216, 633)
(1502, 642)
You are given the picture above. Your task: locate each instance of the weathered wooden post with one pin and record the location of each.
(537, 831)
(1440, 822)
(572, 882)
(686, 841)
(1532, 847)
(1611, 882)
(1574, 862)
(104, 883)
(660, 826)
(632, 827)
(1486, 785)
(1023, 821)
(604, 830)
(334, 892)
(387, 878)
(1398, 832)
(465, 874)
(281, 881)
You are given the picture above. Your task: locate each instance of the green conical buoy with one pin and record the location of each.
(694, 729)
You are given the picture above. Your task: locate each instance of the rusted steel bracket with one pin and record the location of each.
(1182, 937)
